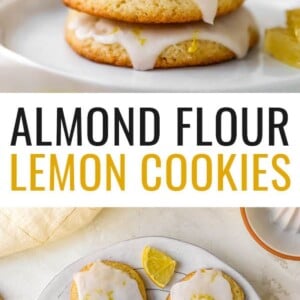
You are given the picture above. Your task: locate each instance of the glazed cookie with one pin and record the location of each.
(146, 47)
(207, 284)
(111, 280)
(156, 11)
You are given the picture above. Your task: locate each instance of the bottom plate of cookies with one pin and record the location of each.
(149, 268)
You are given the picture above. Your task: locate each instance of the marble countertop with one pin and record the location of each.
(23, 276)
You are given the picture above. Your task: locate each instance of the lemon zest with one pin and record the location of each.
(110, 295)
(202, 297)
(194, 46)
(138, 34)
(115, 30)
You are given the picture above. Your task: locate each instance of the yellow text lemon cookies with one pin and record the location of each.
(145, 47)
(207, 284)
(156, 11)
(107, 280)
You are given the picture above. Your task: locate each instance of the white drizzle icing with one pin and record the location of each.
(204, 285)
(287, 218)
(144, 43)
(103, 282)
(209, 9)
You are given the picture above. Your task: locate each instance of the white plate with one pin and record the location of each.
(32, 33)
(189, 258)
(268, 235)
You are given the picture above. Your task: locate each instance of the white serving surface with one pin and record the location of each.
(221, 231)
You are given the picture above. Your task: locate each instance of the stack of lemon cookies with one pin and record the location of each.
(148, 34)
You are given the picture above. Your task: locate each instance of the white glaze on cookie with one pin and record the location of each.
(103, 282)
(204, 285)
(209, 9)
(144, 43)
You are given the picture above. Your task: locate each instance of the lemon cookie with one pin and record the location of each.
(108, 280)
(146, 47)
(156, 11)
(207, 284)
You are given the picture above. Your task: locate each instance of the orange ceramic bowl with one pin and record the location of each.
(282, 244)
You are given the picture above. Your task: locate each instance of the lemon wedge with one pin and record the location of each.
(283, 45)
(158, 266)
(293, 22)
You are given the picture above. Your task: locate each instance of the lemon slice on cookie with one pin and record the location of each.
(158, 266)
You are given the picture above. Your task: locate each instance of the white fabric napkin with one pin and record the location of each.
(24, 228)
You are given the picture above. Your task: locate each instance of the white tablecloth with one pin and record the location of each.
(221, 231)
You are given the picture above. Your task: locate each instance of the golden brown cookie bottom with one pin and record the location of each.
(149, 11)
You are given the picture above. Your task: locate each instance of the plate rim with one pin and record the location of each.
(158, 237)
(16, 57)
(259, 240)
